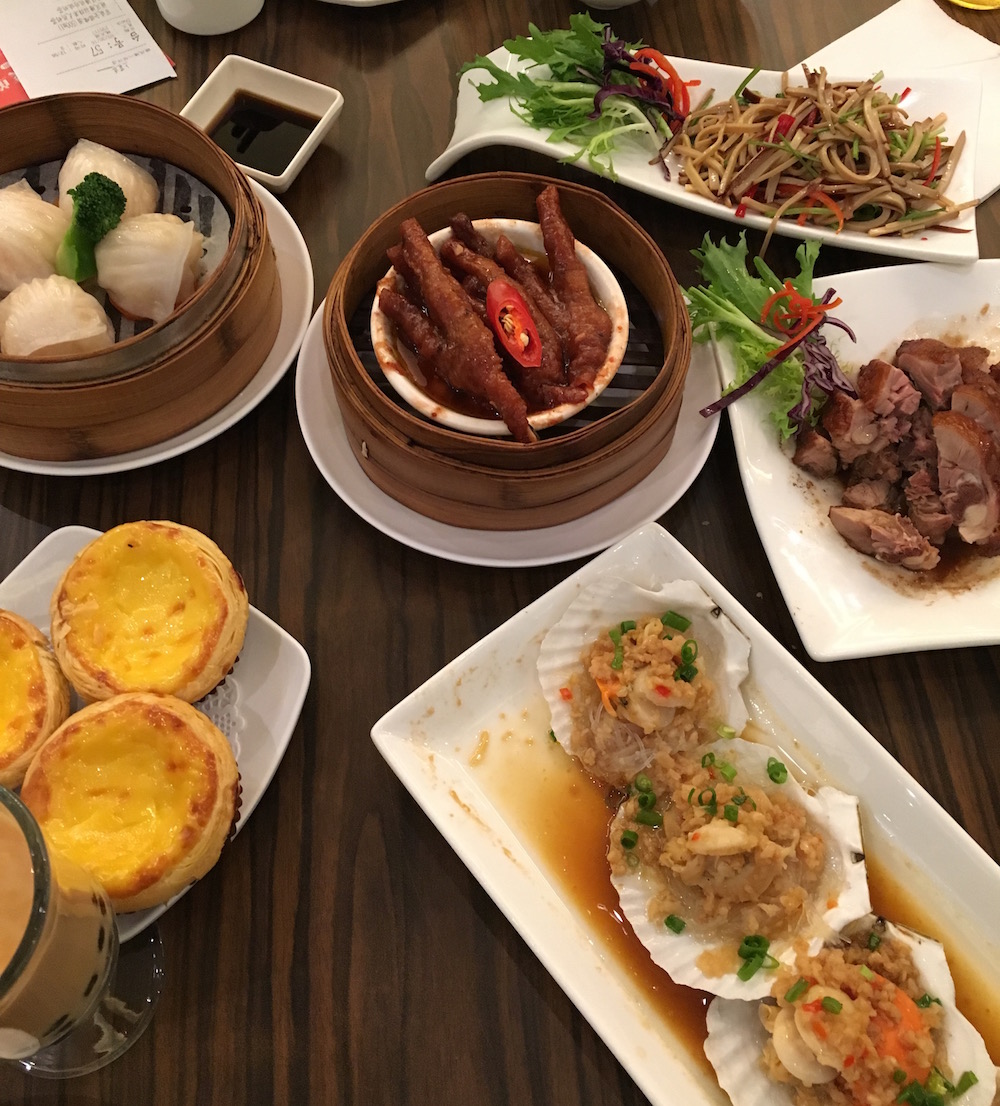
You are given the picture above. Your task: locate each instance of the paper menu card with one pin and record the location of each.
(76, 46)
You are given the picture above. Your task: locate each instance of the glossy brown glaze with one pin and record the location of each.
(341, 954)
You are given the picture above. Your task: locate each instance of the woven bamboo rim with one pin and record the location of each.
(174, 375)
(497, 484)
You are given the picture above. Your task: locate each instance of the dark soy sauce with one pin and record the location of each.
(261, 133)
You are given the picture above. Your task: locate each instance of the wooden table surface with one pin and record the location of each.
(340, 952)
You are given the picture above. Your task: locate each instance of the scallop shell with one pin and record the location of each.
(605, 604)
(835, 812)
(736, 1037)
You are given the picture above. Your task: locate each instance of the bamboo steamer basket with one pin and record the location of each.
(158, 383)
(495, 483)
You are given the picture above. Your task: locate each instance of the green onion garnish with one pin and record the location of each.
(731, 812)
(686, 672)
(874, 940)
(725, 731)
(866, 972)
(646, 800)
(797, 990)
(776, 771)
(752, 944)
(708, 760)
(629, 839)
(672, 922)
(649, 818)
(831, 1005)
(925, 1000)
(628, 624)
(726, 770)
(707, 800)
(675, 621)
(643, 782)
(689, 651)
(968, 1079)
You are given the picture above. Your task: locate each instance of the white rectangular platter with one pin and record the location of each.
(480, 124)
(845, 604)
(430, 737)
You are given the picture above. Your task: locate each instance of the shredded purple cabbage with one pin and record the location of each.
(652, 91)
(822, 372)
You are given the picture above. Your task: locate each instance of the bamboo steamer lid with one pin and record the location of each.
(491, 483)
(170, 377)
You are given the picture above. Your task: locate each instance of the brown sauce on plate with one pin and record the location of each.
(261, 133)
(561, 815)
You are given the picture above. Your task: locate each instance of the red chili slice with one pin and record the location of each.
(512, 323)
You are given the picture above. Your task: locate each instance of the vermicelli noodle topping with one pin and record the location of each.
(828, 154)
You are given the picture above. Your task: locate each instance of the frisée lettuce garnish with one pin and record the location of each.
(588, 87)
(772, 328)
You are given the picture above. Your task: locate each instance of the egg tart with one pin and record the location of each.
(141, 790)
(149, 606)
(34, 695)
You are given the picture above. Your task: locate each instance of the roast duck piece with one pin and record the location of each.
(919, 450)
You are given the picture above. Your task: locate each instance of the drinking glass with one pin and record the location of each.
(71, 999)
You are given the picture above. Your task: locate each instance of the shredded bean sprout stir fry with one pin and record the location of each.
(832, 155)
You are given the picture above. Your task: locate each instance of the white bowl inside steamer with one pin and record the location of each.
(399, 364)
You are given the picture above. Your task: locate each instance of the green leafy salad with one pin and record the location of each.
(771, 328)
(588, 87)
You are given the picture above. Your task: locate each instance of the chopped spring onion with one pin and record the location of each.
(726, 770)
(643, 782)
(776, 771)
(708, 760)
(731, 812)
(874, 940)
(866, 972)
(649, 818)
(646, 800)
(689, 651)
(619, 658)
(725, 731)
(628, 624)
(629, 839)
(675, 621)
(673, 923)
(686, 672)
(797, 990)
(925, 1000)
(968, 1079)
(831, 1005)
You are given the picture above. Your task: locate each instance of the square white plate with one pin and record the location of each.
(845, 604)
(429, 740)
(256, 706)
(479, 124)
(238, 74)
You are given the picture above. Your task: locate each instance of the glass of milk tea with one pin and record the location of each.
(71, 999)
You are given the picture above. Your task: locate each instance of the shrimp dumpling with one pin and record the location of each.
(150, 264)
(30, 232)
(53, 317)
(141, 191)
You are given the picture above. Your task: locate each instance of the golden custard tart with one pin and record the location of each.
(34, 695)
(149, 606)
(141, 790)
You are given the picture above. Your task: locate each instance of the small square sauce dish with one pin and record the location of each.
(269, 121)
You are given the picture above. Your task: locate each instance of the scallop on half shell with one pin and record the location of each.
(615, 720)
(748, 1040)
(735, 849)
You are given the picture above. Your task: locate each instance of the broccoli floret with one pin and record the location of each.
(98, 206)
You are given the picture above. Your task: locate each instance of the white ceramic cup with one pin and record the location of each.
(208, 17)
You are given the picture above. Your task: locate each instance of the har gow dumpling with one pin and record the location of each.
(30, 232)
(150, 264)
(53, 317)
(142, 194)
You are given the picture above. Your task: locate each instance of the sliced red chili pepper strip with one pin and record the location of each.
(783, 125)
(682, 99)
(512, 323)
